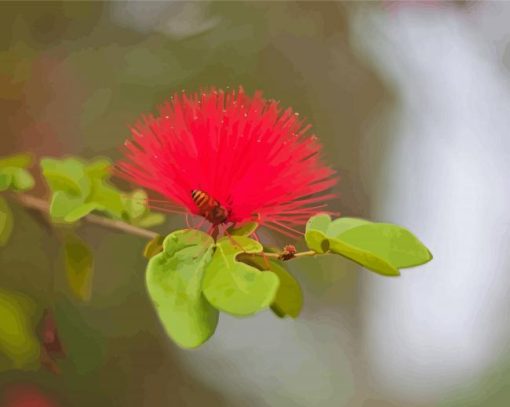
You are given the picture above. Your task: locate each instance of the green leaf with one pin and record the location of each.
(16, 161)
(153, 247)
(5, 179)
(66, 175)
(99, 168)
(22, 180)
(63, 204)
(6, 222)
(246, 229)
(289, 297)
(134, 204)
(151, 219)
(80, 212)
(79, 264)
(174, 281)
(17, 339)
(106, 198)
(380, 247)
(236, 287)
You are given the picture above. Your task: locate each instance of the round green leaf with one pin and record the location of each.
(79, 263)
(236, 287)
(66, 175)
(289, 297)
(105, 198)
(174, 282)
(380, 247)
(395, 244)
(80, 212)
(6, 222)
(62, 204)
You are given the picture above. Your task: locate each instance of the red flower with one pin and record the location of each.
(230, 158)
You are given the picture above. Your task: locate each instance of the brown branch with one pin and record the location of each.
(41, 205)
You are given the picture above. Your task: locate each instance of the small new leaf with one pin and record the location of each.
(153, 247)
(135, 204)
(79, 263)
(174, 281)
(380, 247)
(235, 287)
(150, 220)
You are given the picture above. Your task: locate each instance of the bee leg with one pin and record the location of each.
(213, 231)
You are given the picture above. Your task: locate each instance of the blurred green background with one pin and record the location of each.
(74, 75)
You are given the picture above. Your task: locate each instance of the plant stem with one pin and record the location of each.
(41, 205)
(278, 255)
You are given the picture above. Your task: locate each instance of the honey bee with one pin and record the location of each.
(209, 207)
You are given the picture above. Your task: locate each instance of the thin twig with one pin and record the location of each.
(41, 205)
(279, 255)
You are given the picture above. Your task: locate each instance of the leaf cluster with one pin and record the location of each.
(78, 188)
(191, 278)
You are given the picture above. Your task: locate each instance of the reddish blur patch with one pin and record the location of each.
(51, 346)
(26, 395)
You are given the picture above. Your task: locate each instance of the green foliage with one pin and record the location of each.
(380, 247)
(80, 188)
(66, 175)
(235, 287)
(19, 346)
(16, 160)
(174, 281)
(134, 203)
(190, 277)
(6, 222)
(79, 264)
(13, 173)
(246, 229)
(136, 211)
(289, 297)
(153, 247)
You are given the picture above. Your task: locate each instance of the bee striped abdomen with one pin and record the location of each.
(200, 198)
(209, 207)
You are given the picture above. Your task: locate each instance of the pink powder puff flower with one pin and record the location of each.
(230, 158)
